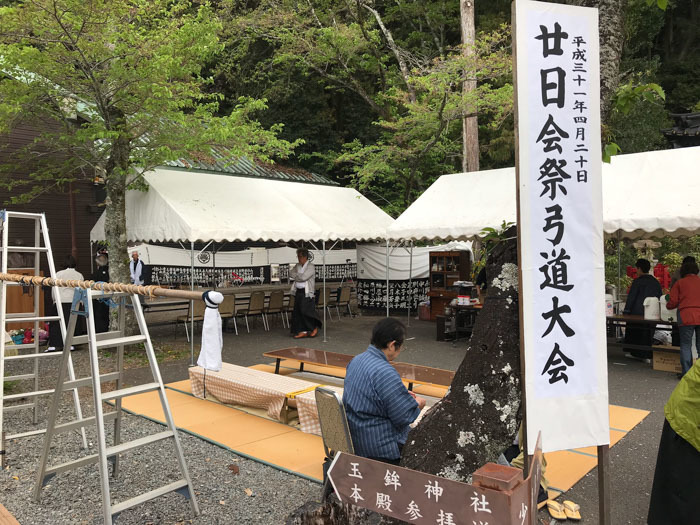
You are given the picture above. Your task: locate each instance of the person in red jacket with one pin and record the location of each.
(685, 295)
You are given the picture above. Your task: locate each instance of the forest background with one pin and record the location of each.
(375, 93)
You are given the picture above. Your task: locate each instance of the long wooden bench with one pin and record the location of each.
(422, 375)
(238, 385)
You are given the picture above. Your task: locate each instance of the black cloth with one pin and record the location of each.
(481, 279)
(675, 493)
(304, 316)
(642, 287)
(100, 308)
(55, 336)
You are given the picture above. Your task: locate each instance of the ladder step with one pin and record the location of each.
(20, 347)
(117, 341)
(147, 496)
(26, 434)
(32, 356)
(28, 394)
(9, 408)
(83, 339)
(26, 249)
(140, 442)
(70, 465)
(12, 319)
(132, 390)
(23, 377)
(79, 423)
(87, 381)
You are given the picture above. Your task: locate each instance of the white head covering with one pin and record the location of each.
(212, 339)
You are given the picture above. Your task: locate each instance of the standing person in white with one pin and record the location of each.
(305, 319)
(66, 297)
(136, 269)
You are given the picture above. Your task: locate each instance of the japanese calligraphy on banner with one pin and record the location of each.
(417, 497)
(561, 224)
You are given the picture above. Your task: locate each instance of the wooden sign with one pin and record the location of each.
(417, 497)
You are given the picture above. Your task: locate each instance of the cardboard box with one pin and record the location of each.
(668, 360)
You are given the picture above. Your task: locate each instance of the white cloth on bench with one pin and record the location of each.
(238, 385)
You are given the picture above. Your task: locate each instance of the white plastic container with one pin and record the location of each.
(609, 305)
(665, 313)
(651, 308)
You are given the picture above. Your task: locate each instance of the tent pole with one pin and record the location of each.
(387, 278)
(92, 257)
(192, 304)
(410, 290)
(619, 266)
(213, 263)
(325, 307)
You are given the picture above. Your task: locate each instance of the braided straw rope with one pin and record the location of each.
(149, 291)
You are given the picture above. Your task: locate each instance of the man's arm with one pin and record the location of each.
(674, 299)
(400, 406)
(306, 274)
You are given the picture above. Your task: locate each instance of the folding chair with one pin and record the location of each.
(289, 307)
(335, 431)
(344, 300)
(199, 308)
(227, 310)
(275, 305)
(256, 306)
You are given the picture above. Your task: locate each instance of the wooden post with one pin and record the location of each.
(604, 508)
(523, 402)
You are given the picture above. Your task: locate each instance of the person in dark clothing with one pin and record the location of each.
(100, 308)
(481, 284)
(645, 285)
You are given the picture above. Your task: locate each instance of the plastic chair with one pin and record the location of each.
(335, 431)
(199, 308)
(275, 305)
(344, 300)
(256, 306)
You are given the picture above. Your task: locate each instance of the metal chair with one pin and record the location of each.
(275, 305)
(199, 308)
(335, 431)
(344, 300)
(289, 307)
(227, 310)
(256, 306)
(327, 299)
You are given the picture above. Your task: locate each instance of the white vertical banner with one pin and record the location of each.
(561, 225)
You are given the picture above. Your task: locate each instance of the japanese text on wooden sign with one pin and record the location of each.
(560, 224)
(417, 497)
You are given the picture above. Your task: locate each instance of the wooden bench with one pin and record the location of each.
(422, 375)
(277, 394)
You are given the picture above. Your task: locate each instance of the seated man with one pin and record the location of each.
(379, 408)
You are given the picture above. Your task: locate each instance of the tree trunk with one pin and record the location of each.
(480, 415)
(470, 125)
(116, 173)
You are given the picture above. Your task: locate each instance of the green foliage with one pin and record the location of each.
(121, 84)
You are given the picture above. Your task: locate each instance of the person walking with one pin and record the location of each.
(305, 319)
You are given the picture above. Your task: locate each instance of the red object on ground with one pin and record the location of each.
(27, 336)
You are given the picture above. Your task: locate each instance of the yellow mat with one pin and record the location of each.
(289, 449)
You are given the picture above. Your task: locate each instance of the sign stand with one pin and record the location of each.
(557, 149)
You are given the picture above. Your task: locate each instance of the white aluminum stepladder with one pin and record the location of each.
(41, 235)
(106, 453)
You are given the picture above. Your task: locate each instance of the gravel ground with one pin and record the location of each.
(74, 497)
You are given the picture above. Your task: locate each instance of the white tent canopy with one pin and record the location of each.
(201, 206)
(460, 206)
